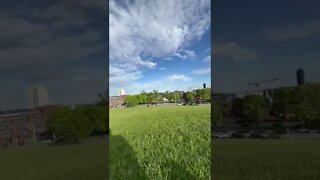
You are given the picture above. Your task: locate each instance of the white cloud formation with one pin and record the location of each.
(296, 31)
(162, 69)
(187, 54)
(231, 50)
(178, 77)
(201, 71)
(143, 31)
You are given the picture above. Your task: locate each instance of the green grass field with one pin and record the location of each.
(160, 143)
(266, 159)
(82, 162)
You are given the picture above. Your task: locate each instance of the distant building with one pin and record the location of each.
(117, 101)
(24, 127)
(300, 77)
(121, 92)
(37, 97)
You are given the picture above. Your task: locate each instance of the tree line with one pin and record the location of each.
(72, 124)
(300, 103)
(154, 97)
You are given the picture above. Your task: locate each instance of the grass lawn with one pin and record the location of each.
(160, 143)
(266, 159)
(82, 162)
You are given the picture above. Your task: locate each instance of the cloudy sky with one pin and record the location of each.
(159, 45)
(264, 40)
(61, 45)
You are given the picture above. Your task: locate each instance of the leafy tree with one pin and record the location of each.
(190, 96)
(217, 113)
(68, 124)
(283, 100)
(176, 96)
(168, 95)
(237, 107)
(103, 98)
(81, 126)
(307, 106)
(59, 122)
(144, 97)
(131, 101)
(156, 96)
(253, 108)
(98, 117)
(207, 94)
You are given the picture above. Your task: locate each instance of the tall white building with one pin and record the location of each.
(121, 92)
(37, 97)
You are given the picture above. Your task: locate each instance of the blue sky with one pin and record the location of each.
(159, 45)
(264, 40)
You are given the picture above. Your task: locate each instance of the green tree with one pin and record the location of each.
(131, 101)
(190, 96)
(207, 94)
(253, 108)
(81, 126)
(237, 107)
(98, 115)
(283, 100)
(217, 113)
(156, 96)
(307, 106)
(144, 97)
(70, 124)
(103, 98)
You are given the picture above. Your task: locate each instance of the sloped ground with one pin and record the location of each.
(160, 143)
(256, 159)
(61, 162)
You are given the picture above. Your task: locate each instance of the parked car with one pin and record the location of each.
(274, 136)
(255, 135)
(221, 135)
(237, 135)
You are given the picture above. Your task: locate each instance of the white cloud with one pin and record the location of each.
(121, 77)
(143, 31)
(178, 77)
(296, 31)
(201, 71)
(187, 54)
(162, 69)
(231, 50)
(207, 59)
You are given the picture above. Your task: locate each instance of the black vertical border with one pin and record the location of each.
(212, 82)
(107, 89)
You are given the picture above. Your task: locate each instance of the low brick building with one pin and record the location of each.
(24, 127)
(117, 101)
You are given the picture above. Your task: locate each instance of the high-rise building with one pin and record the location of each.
(300, 77)
(121, 92)
(37, 97)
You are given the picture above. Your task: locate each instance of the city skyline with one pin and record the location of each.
(159, 45)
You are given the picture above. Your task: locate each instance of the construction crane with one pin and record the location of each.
(257, 83)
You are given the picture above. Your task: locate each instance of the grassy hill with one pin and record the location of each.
(252, 159)
(64, 162)
(160, 143)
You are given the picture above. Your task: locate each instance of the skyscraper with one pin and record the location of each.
(300, 77)
(37, 97)
(121, 92)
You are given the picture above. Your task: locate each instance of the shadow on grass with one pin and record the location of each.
(123, 163)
